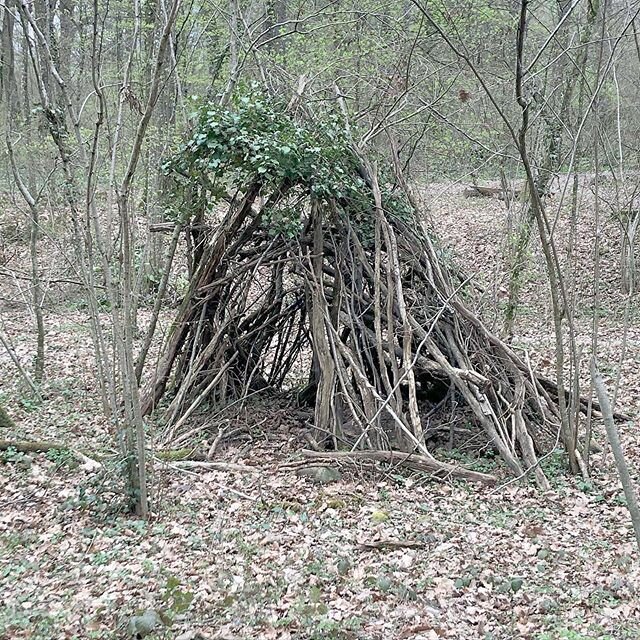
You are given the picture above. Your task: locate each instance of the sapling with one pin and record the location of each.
(616, 447)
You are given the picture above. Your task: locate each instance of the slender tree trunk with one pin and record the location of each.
(8, 83)
(29, 195)
(234, 64)
(36, 284)
(567, 430)
(134, 426)
(549, 165)
(616, 447)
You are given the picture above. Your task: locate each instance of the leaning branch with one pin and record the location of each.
(614, 440)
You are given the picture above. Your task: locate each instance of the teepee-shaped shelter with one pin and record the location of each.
(321, 276)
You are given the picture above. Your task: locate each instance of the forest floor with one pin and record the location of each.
(254, 551)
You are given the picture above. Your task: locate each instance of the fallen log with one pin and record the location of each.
(393, 545)
(475, 191)
(44, 447)
(410, 460)
(186, 456)
(25, 446)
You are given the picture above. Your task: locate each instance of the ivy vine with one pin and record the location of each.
(255, 139)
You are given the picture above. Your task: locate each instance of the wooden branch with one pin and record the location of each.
(162, 227)
(169, 227)
(476, 191)
(187, 458)
(43, 447)
(410, 460)
(32, 446)
(213, 466)
(213, 255)
(393, 544)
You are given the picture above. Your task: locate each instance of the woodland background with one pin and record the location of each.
(490, 110)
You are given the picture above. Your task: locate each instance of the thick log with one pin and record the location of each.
(186, 455)
(43, 447)
(32, 447)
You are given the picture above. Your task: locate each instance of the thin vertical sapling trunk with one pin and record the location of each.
(119, 293)
(555, 121)
(37, 292)
(37, 48)
(30, 196)
(162, 289)
(567, 430)
(596, 256)
(135, 424)
(616, 447)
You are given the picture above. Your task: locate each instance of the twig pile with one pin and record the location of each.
(344, 281)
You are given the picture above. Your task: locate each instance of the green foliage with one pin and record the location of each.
(567, 634)
(256, 141)
(554, 465)
(176, 599)
(62, 458)
(253, 140)
(13, 456)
